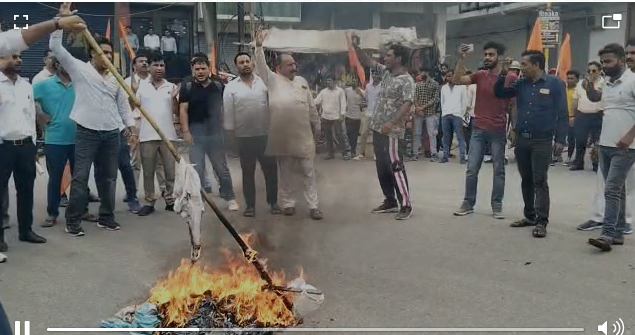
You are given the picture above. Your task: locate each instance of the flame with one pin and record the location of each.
(237, 287)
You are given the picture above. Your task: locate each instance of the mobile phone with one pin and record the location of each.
(467, 48)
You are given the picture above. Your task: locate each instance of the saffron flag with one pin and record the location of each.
(354, 61)
(108, 30)
(66, 179)
(535, 40)
(564, 58)
(122, 33)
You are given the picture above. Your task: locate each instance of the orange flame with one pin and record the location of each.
(237, 289)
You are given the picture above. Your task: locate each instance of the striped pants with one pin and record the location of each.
(391, 171)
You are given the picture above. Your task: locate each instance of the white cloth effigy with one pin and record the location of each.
(189, 202)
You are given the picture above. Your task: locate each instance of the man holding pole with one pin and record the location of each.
(101, 108)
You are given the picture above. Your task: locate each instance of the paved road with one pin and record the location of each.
(434, 270)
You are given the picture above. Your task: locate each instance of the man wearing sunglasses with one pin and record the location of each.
(588, 117)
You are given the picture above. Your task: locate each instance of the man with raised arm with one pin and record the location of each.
(490, 125)
(388, 124)
(101, 111)
(17, 40)
(293, 125)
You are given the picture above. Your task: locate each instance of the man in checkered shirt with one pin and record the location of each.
(426, 99)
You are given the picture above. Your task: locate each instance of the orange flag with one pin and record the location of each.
(122, 33)
(564, 58)
(108, 30)
(535, 40)
(66, 179)
(354, 61)
(212, 58)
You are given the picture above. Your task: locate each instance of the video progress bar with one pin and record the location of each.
(324, 330)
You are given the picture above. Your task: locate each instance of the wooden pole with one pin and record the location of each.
(250, 254)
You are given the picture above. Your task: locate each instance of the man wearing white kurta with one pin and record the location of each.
(291, 137)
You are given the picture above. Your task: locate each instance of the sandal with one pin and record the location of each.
(523, 223)
(540, 231)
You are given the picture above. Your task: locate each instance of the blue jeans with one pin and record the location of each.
(5, 327)
(99, 147)
(125, 168)
(615, 163)
(214, 147)
(475, 160)
(452, 124)
(56, 158)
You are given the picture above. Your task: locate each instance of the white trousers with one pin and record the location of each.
(598, 197)
(290, 168)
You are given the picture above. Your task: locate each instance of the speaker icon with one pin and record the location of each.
(618, 327)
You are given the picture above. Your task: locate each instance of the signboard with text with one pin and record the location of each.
(550, 27)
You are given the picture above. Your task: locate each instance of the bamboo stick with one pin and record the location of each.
(250, 254)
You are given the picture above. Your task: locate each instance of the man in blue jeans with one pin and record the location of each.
(453, 109)
(490, 124)
(127, 174)
(54, 99)
(100, 110)
(200, 113)
(617, 147)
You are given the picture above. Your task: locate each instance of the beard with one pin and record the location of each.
(612, 71)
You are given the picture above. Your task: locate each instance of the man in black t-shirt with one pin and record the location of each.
(200, 111)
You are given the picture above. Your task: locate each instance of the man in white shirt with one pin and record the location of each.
(616, 146)
(151, 41)
(246, 118)
(371, 94)
(101, 111)
(158, 97)
(332, 99)
(588, 117)
(48, 70)
(17, 146)
(471, 102)
(453, 109)
(353, 117)
(168, 44)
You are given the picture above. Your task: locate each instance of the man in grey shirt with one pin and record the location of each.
(246, 117)
(353, 117)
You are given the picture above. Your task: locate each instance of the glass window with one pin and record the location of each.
(267, 9)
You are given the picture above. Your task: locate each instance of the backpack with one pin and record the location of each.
(188, 85)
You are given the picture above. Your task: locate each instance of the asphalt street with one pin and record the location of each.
(434, 270)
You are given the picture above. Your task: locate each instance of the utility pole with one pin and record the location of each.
(241, 25)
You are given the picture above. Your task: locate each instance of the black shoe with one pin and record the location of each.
(74, 230)
(169, 208)
(404, 214)
(603, 243)
(316, 214)
(93, 198)
(386, 207)
(146, 210)
(3, 246)
(289, 211)
(275, 209)
(112, 226)
(250, 212)
(208, 190)
(32, 237)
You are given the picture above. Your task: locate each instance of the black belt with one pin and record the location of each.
(20, 142)
(529, 135)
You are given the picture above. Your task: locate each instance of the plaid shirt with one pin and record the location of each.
(427, 92)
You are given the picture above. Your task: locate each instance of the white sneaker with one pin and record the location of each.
(3, 258)
(233, 205)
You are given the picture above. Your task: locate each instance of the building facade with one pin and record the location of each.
(512, 23)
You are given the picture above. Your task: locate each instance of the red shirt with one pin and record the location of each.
(490, 112)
